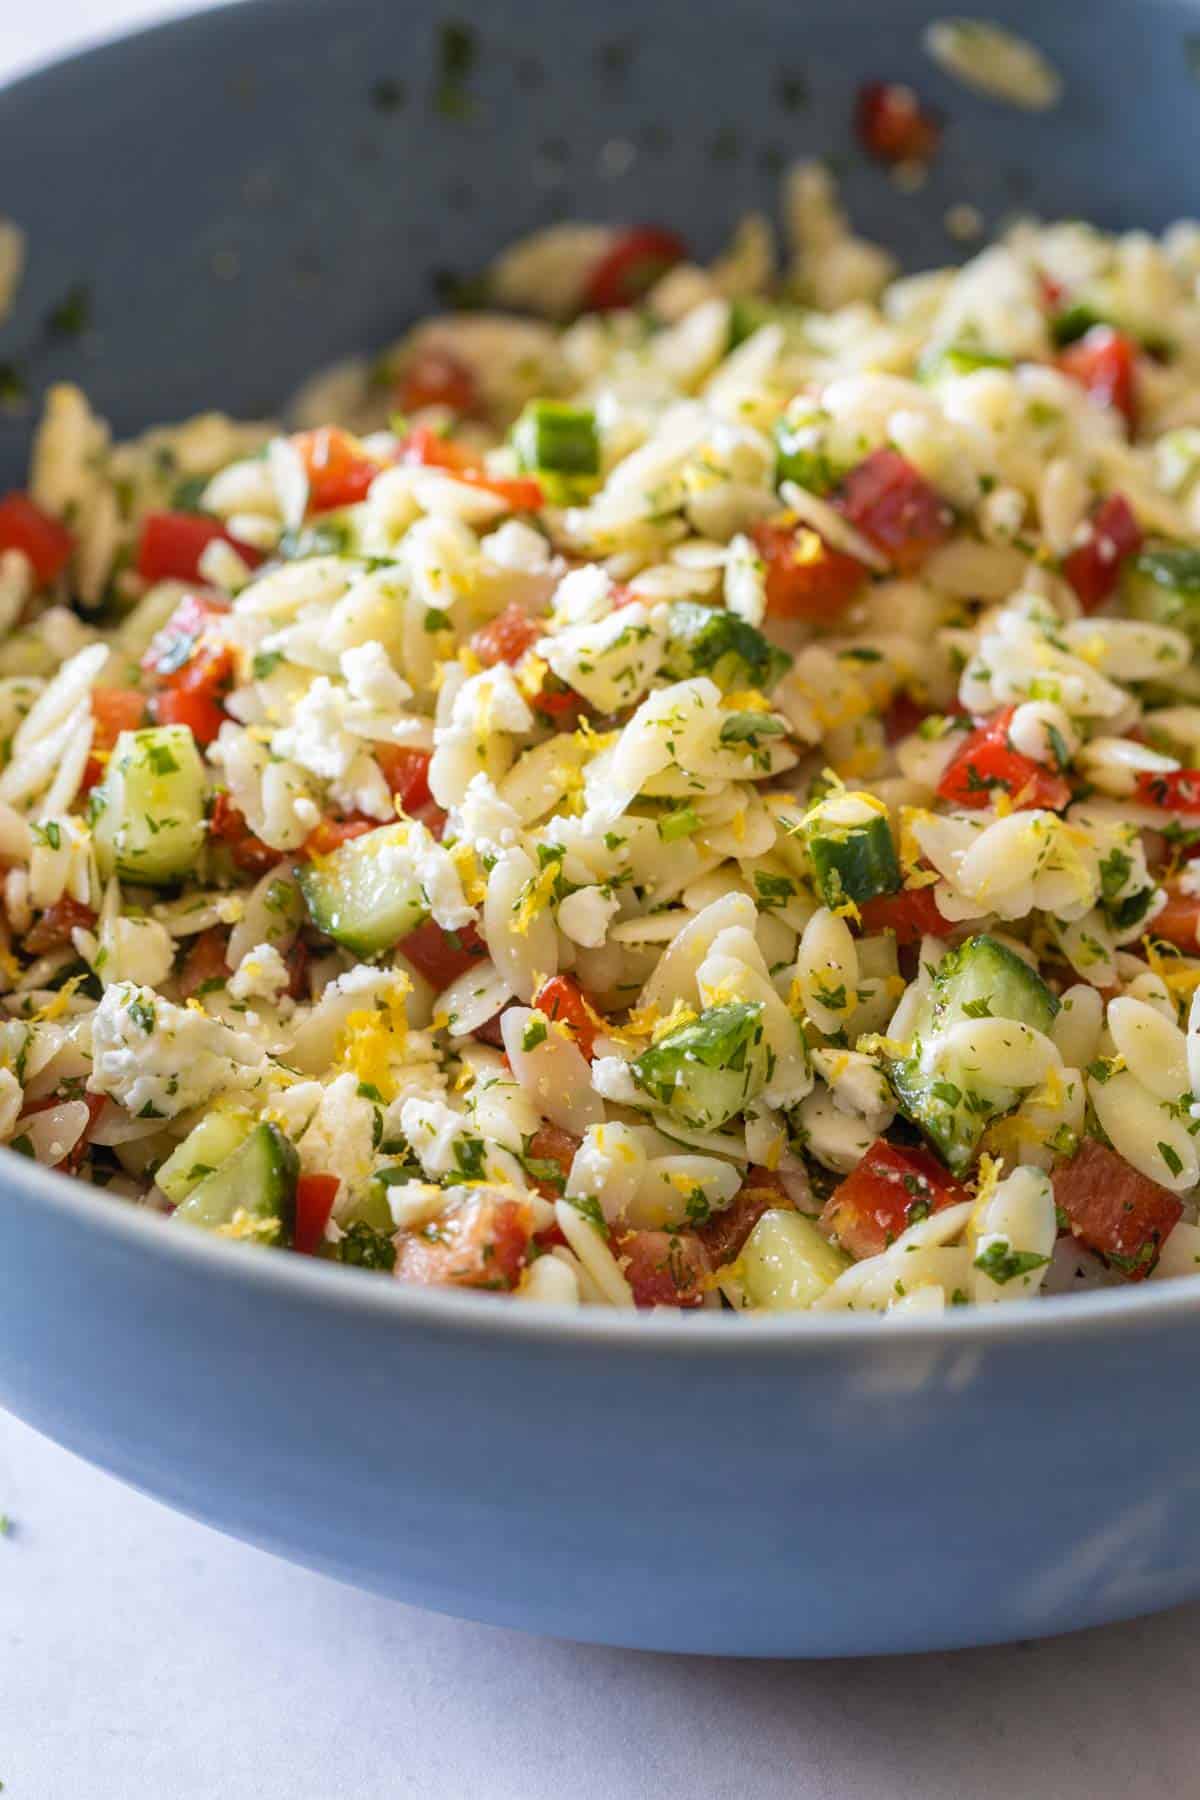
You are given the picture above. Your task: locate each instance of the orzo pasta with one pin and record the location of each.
(686, 797)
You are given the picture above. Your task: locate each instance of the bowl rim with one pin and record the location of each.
(76, 1204)
(79, 1206)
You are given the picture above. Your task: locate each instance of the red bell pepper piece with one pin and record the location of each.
(204, 961)
(37, 534)
(892, 1188)
(1093, 568)
(114, 710)
(806, 578)
(54, 927)
(895, 509)
(338, 468)
(425, 447)
(986, 764)
(315, 1195)
(1104, 362)
(406, 772)
(1177, 790)
(912, 914)
(562, 999)
(440, 955)
(171, 544)
(506, 638)
(631, 265)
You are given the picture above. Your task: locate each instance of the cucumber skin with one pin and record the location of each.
(1149, 592)
(220, 1195)
(365, 923)
(860, 865)
(979, 967)
(133, 791)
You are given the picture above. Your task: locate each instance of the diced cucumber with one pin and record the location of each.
(553, 438)
(959, 359)
(850, 845)
(708, 1071)
(366, 894)
(259, 1179)
(148, 814)
(786, 1264)
(801, 453)
(707, 640)
(981, 979)
(749, 314)
(209, 1144)
(1162, 584)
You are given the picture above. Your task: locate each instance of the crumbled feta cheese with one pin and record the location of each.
(584, 595)
(262, 974)
(444, 1144)
(371, 678)
(586, 914)
(157, 1059)
(518, 547)
(483, 819)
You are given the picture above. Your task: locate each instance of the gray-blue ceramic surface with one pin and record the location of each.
(249, 193)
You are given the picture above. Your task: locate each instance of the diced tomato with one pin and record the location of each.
(631, 265)
(912, 914)
(562, 999)
(1179, 921)
(331, 834)
(114, 710)
(551, 1145)
(1104, 362)
(987, 764)
(406, 773)
(436, 377)
(249, 853)
(432, 451)
(180, 638)
(204, 961)
(338, 468)
(726, 1232)
(1051, 292)
(806, 577)
(41, 538)
(891, 1189)
(891, 124)
(1177, 790)
(95, 1103)
(895, 509)
(490, 1033)
(902, 717)
(298, 959)
(315, 1195)
(1112, 1209)
(194, 696)
(620, 595)
(481, 1244)
(506, 638)
(171, 544)
(1094, 567)
(664, 1268)
(441, 956)
(54, 927)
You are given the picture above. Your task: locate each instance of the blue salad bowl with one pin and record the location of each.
(247, 195)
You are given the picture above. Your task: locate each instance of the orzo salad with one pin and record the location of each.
(677, 788)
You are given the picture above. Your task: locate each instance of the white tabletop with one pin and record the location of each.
(143, 1657)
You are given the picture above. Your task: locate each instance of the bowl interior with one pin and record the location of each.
(249, 193)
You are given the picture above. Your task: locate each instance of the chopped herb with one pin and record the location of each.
(456, 53)
(265, 663)
(1171, 1158)
(364, 1247)
(535, 1033)
(1002, 1264)
(678, 824)
(142, 1013)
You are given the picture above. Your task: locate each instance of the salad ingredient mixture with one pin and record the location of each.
(678, 788)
